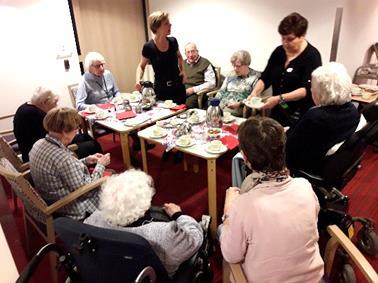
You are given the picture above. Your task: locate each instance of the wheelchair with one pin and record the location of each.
(93, 254)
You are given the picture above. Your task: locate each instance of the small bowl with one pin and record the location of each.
(214, 133)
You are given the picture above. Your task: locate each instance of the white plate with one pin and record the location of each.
(103, 118)
(195, 123)
(168, 106)
(131, 97)
(222, 149)
(162, 135)
(192, 142)
(229, 120)
(256, 106)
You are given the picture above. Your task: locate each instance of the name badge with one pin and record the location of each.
(289, 70)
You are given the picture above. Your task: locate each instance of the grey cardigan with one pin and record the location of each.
(173, 242)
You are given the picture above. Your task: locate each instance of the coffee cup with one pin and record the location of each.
(168, 102)
(157, 131)
(184, 140)
(255, 100)
(215, 145)
(366, 94)
(92, 108)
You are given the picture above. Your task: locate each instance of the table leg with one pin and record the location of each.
(212, 194)
(144, 154)
(125, 150)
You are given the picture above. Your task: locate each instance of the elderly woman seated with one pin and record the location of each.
(97, 85)
(124, 205)
(331, 121)
(270, 224)
(238, 84)
(56, 172)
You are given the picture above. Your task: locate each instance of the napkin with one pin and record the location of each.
(179, 107)
(233, 128)
(85, 114)
(230, 141)
(105, 106)
(125, 115)
(107, 173)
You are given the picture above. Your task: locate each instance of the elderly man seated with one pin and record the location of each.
(56, 172)
(125, 201)
(200, 75)
(98, 85)
(28, 124)
(331, 121)
(238, 84)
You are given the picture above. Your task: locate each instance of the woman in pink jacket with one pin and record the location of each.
(270, 223)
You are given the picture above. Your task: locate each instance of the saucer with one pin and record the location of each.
(161, 135)
(195, 122)
(229, 120)
(256, 106)
(102, 118)
(168, 106)
(192, 142)
(222, 149)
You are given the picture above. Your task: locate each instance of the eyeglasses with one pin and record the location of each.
(237, 66)
(97, 66)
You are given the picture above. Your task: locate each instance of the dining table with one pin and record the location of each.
(124, 122)
(200, 146)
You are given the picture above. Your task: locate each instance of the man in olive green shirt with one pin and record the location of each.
(200, 74)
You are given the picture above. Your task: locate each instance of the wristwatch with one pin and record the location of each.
(224, 217)
(283, 103)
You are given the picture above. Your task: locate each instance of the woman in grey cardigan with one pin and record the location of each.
(124, 205)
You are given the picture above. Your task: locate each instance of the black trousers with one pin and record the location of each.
(86, 145)
(175, 92)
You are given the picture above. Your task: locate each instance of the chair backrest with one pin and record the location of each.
(72, 89)
(218, 77)
(33, 202)
(340, 167)
(107, 255)
(7, 151)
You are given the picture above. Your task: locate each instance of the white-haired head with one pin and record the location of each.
(126, 197)
(45, 98)
(331, 84)
(91, 58)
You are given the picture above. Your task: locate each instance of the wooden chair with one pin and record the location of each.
(72, 89)
(338, 239)
(211, 92)
(36, 211)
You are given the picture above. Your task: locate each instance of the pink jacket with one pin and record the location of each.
(272, 230)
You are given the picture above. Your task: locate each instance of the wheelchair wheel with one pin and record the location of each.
(347, 274)
(367, 241)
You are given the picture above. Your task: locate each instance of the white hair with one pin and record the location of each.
(243, 56)
(126, 197)
(42, 94)
(92, 57)
(332, 84)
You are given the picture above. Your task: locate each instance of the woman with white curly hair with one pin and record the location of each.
(124, 204)
(332, 120)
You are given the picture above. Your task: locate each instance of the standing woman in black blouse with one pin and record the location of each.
(163, 54)
(289, 72)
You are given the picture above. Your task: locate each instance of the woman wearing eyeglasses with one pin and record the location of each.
(98, 85)
(289, 72)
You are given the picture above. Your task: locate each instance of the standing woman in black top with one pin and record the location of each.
(163, 54)
(289, 72)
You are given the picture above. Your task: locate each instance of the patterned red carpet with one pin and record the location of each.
(188, 189)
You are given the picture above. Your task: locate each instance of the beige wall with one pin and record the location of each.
(221, 27)
(116, 29)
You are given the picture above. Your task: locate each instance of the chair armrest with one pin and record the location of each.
(233, 270)
(74, 195)
(237, 273)
(25, 167)
(212, 93)
(339, 238)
